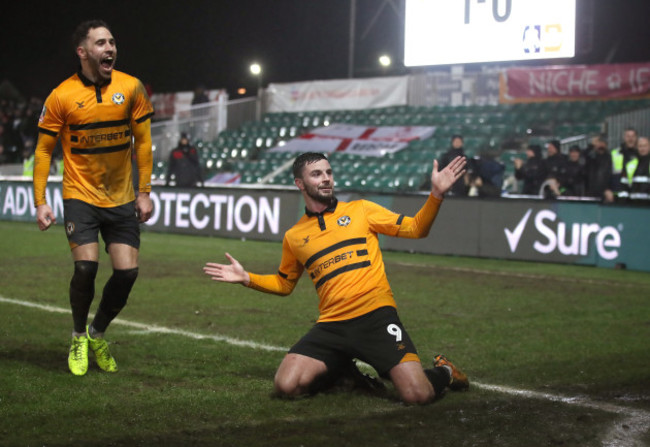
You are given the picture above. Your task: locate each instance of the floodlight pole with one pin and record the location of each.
(353, 14)
(256, 70)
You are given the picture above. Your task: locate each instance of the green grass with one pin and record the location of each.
(557, 329)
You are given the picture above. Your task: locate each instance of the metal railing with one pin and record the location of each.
(201, 122)
(616, 125)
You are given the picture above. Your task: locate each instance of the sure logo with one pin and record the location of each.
(570, 242)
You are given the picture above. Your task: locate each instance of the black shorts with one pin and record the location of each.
(83, 223)
(377, 338)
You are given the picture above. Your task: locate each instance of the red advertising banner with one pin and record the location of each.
(575, 82)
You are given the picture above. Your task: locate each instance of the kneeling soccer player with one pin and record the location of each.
(337, 243)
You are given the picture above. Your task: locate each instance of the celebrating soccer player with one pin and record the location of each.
(337, 244)
(96, 113)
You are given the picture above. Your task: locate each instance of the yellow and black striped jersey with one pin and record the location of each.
(339, 250)
(96, 125)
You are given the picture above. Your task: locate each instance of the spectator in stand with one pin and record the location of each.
(637, 170)
(574, 175)
(29, 125)
(598, 170)
(11, 138)
(3, 155)
(184, 167)
(484, 176)
(28, 163)
(620, 157)
(555, 161)
(460, 188)
(200, 96)
(532, 171)
(555, 164)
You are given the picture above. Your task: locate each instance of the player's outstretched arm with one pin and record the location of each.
(442, 181)
(232, 273)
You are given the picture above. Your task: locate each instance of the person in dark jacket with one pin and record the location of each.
(598, 170)
(532, 171)
(574, 176)
(460, 188)
(555, 161)
(184, 168)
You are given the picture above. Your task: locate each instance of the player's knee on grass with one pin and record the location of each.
(413, 384)
(417, 395)
(296, 385)
(284, 386)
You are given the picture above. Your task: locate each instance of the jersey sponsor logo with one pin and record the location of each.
(330, 262)
(344, 221)
(94, 139)
(80, 104)
(118, 98)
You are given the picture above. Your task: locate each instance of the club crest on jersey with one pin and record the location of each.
(343, 221)
(69, 228)
(118, 98)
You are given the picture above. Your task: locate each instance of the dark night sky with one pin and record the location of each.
(176, 45)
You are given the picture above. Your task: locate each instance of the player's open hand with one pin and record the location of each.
(233, 272)
(442, 181)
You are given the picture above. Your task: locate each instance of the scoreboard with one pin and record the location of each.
(439, 32)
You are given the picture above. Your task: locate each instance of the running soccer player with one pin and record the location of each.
(336, 243)
(96, 113)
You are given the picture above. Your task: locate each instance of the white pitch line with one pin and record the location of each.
(151, 328)
(626, 432)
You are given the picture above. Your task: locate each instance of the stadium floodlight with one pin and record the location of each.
(256, 69)
(385, 60)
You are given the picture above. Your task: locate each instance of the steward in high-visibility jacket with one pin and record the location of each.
(28, 166)
(637, 174)
(621, 156)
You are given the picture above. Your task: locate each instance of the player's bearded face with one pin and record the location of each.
(318, 181)
(100, 53)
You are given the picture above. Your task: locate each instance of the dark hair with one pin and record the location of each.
(575, 148)
(457, 135)
(305, 159)
(556, 144)
(536, 148)
(81, 32)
